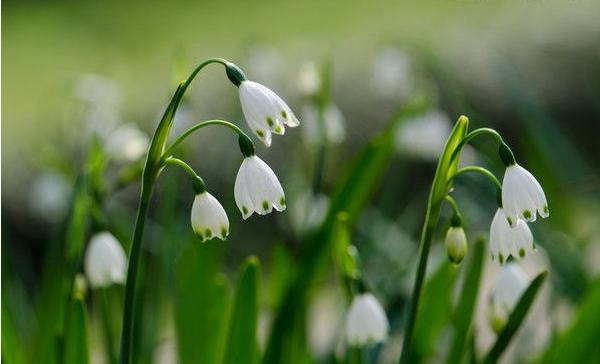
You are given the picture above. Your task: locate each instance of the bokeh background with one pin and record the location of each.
(74, 72)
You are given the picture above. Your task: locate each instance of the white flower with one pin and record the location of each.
(208, 217)
(105, 261)
(424, 136)
(366, 322)
(522, 195)
(127, 143)
(506, 240)
(332, 118)
(265, 112)
(509, 287)
(309, 80)
(456, 244)
(257, 188)
(49, 196)
(391, 74)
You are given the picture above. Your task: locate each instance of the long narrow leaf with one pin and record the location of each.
(76, 334)
(242, 343)
(463, 313)
(11, 347)
(516, 319)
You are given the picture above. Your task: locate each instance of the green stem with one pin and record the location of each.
(482, 171)
(472, 135)
(134, 260)
(191, 130)
(108, 329)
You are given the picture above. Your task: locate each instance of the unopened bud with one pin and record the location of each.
(456, 244)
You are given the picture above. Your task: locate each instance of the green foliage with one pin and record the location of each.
(76, 349)
(464, 310)
(242, 345)
(202, 301)
(516, 319)
(11, 346)
(351, 194)
(435, 310)
(579, 344)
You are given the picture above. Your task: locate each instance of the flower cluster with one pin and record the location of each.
(522, 197)
(256, 188)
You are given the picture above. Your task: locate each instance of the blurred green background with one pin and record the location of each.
(529, 69)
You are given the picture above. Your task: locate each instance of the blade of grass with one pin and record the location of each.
(242, 341)
(11, 347)
(435, 311)
(516, 319)
(76, 334)
(463, 313)
(201, 305)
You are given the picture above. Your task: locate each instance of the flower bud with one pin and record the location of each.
(456, 244)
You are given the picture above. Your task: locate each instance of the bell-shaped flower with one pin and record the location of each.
(208, 217)
(105, 261)
(257, 188)
(506, 240)
(265, 112)
(522, 195)
(456, 244)
(366, 322)
(509, 287)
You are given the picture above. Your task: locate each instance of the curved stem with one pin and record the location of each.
(452, 204)
(185, 85)
(191, 130)
(480, 170)
(472, 135)
(181, 164)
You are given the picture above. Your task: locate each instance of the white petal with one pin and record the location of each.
(208, 217)
(105, 261)
(257, 188)
(366, 321)
(522, 195)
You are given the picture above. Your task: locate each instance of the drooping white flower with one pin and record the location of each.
(333, 127)
(366, 322)
(105, 261)
(456, 244)
(257, 188)
(424, 136)
(509, 287)
(127, 143)
(522, 195)
(265, 112)
(506, 240)
(208, 218)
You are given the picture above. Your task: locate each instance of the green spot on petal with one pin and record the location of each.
(270, 121)
(284, 114)
(199, 235)
(260, 133)
(546, 209)
(278, 129)
(521, 252)
(527, 214)
(223, 232)
(244, 210)
(501, 258)
(208, 233)
(282, 201)
(509, 221)
(265, 205)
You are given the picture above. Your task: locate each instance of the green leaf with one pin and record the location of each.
(351, 194)
(580, 341)
(516, 319)
(463, 313)
(59, 271)
(242, 342)
(76, 334)
(11, 347)
(202, 300)
(434, 311)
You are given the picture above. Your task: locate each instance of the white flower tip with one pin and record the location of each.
(209, 219)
